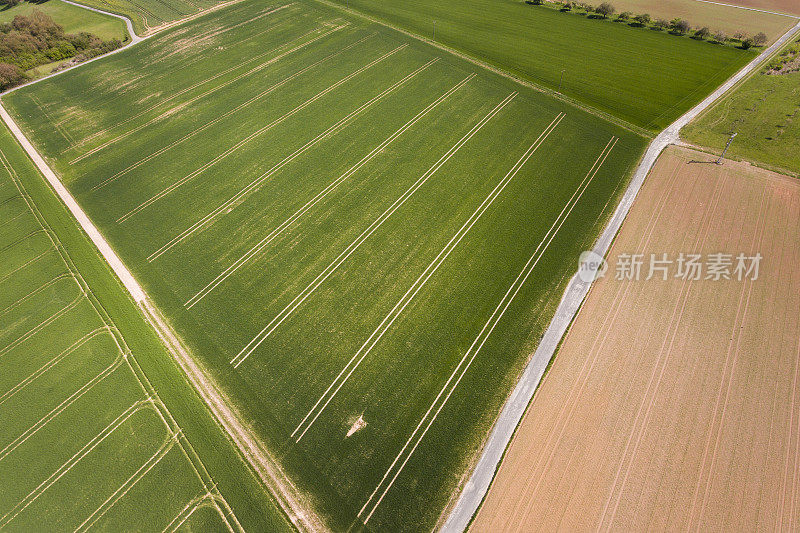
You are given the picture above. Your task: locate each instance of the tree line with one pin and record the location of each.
(30, 41)
(677, 26)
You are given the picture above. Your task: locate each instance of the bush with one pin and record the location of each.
(10, 76)
(29, 41)
(680, 26)
(760, 39)
(702, 33)
(605, 10)
(660, 24)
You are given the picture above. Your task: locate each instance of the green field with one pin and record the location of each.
(87, 440)
(147, 15)
(644, 77)
(353, 231)
(764, 111)
(73, 18)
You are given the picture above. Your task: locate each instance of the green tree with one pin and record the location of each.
(680, 26)
(660, 24)
(605, 10)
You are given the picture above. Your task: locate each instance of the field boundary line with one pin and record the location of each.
(60, 408)
(71, 462)
(245, 352)
(228, 205)
(120, 493)
(293, 503)
(10, 198)
(225, 115)
(140, 297)
(469, 356)
(154, 30)
(44, 323)
(108, 254)
(22, 239)
(418, 284)
(12, 219)
(124, 351)
(190, 508)
(187, 510)
(466, 501)
(642, 132)
(36, 291)
(27, 263)
(319, 197)
(53, 362)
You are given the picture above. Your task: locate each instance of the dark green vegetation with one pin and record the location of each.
(647, 78)
(765, 113)
(87, 441)
(74, 19)
(355, 232)
(30, 41)
(148, 15)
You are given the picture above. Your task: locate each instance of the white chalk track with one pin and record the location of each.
(254, 452)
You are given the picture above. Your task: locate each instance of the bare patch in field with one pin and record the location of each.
(673, 404)
(356, 424)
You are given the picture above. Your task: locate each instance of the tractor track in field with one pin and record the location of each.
(459, 513)
(292, 502)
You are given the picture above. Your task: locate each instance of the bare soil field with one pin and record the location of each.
(673, 404)
(781, 6)
(729, 20)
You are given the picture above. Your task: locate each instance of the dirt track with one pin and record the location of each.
(673, 404)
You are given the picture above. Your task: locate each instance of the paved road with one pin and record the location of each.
(478, 484)
(515, 406)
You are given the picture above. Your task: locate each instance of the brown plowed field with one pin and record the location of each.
(781, 6)
(673, 405)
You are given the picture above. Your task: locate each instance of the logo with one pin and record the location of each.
(591, 266)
